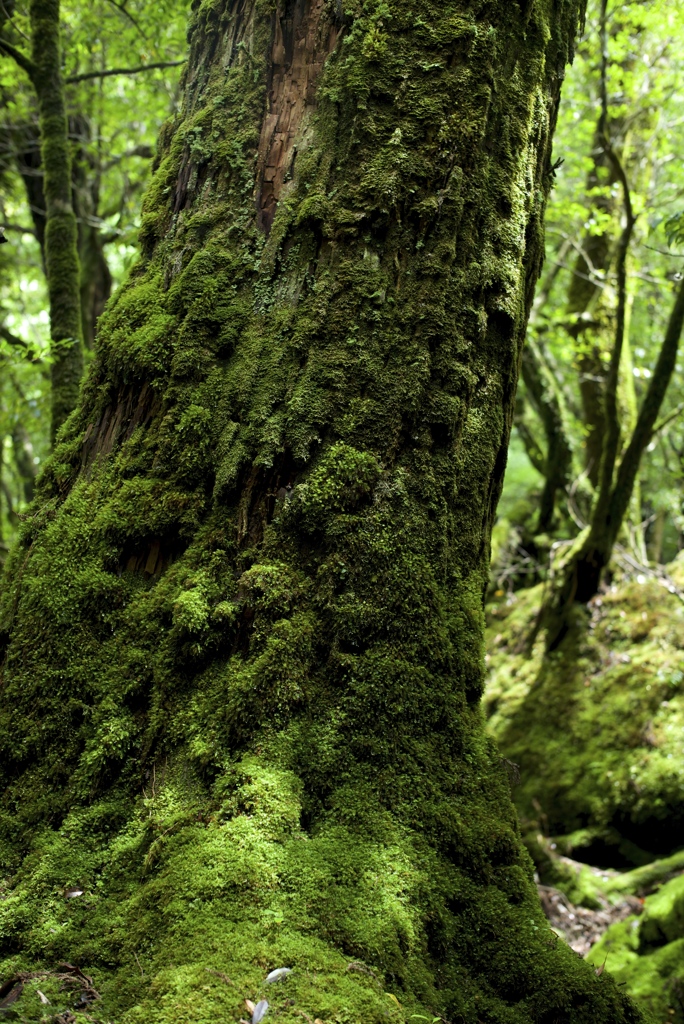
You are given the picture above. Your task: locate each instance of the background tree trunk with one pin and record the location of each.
(95, 281)
(547, 400)
(61, 236)
(244, 628)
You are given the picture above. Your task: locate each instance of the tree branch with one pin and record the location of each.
(108, 72)
(20, 58)
(667, 420)
(19, 228)
(122, 10)
(12, 339)
(27, 351)
(643, 431)
(545, 396)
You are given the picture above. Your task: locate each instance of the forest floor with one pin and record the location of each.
(597, 732)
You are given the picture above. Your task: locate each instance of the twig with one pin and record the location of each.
(657, 573)
(21, 59)
(123, 71)
(122, 10)
(221, 975)
(664, 252)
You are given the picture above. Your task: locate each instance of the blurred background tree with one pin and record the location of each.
(632, 132)
(114, 120)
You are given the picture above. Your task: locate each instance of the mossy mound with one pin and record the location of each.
(597, 731)
(596, 727)
(646, 952)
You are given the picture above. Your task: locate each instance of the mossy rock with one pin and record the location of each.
(646, 953)
(597, 728)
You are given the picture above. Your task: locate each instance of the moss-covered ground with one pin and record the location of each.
(597, 729)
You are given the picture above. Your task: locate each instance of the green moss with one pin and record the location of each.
(244, 626)
(596, 730)
(645, 953)
(61, 234)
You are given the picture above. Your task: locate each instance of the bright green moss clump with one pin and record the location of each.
(243, 631)
(596, 728)
(646, 953)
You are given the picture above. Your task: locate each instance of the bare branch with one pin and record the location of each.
(19, 228)
(20, 58)
(108, 72)
(122, 10)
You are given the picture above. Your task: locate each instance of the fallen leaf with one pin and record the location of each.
(71, 894)
(260, 1011)
(394, 998)
(280, 972)
(43, 998)
(250, 1006)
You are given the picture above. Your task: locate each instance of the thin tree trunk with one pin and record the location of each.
(95, 282)
(61, 236)
(547, 401)
(582, 575)
(22, 450)
(245, 625)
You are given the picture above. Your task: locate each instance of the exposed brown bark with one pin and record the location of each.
(304, 36)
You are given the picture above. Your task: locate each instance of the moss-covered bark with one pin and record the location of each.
(244, 627)
(61, 252)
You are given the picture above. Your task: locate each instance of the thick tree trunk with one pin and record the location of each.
(61, 252)
(240, 701)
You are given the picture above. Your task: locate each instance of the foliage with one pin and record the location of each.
(574, 315)
(114, 122)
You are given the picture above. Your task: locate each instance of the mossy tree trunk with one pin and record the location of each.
(244, 625)
(581, 576)
(61, 235)
(95, 281)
